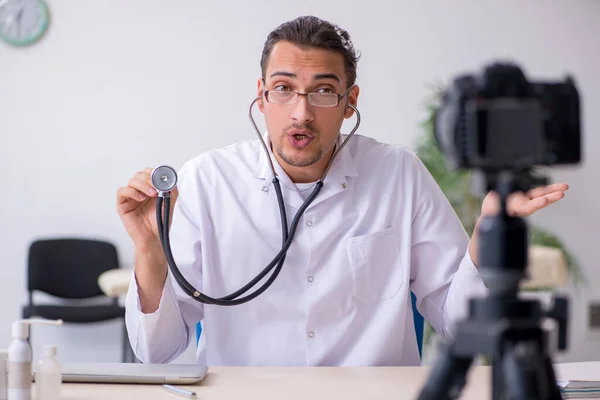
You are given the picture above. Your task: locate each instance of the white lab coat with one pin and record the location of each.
(380, 228)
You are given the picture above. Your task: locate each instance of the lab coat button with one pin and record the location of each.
(309, 223)
(265, 189)
(310, 279)
(311, 334)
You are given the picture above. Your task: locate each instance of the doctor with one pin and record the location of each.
(379, 229)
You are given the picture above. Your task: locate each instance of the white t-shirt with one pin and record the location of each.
(305, 189)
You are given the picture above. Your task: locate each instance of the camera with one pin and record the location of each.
(499, 121)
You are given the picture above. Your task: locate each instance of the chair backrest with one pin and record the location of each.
(418, 320)
(69, 268)
(419, 323)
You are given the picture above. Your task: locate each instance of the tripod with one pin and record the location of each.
(501, 325)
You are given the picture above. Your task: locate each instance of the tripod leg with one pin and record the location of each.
(447, 377)
(551, 378)
(528, 374)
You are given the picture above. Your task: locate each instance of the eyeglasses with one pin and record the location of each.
(316, 99)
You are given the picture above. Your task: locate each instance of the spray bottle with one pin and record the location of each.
(20, 358)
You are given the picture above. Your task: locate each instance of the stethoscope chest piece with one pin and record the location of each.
(164, 178)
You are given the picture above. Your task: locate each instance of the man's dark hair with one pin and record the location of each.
(309, 31)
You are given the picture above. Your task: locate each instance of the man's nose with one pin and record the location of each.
(303, 111)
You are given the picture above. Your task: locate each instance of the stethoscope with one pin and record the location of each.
(164, 179)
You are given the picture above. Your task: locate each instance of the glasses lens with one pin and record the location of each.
(281, 97)
(323, 99)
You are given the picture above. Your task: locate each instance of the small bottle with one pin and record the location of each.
(48, 376)
(19, 363)
(19, 359)
(3, 374)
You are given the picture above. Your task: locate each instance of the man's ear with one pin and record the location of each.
(352, 99)
(259, 93)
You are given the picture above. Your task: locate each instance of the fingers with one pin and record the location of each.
(544, 190)
(138, 189)
(491, 204)
(143, 175)
(538, 203)
(128, 199)
(142, 185)
(129, 193)
(515, 202)
(523, 205)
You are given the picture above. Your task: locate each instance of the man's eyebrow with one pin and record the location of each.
(328, 76)
(283, 73)
(316, 77)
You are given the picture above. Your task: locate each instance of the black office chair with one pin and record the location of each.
(69, 269)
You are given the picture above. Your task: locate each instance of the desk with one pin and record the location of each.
(313, 383)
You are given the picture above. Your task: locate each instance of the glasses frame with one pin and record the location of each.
(298, 94)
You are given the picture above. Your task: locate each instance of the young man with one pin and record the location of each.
(379, 229)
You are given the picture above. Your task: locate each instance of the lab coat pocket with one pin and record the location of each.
(374, 261)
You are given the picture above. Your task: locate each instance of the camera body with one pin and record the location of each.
(500, 121)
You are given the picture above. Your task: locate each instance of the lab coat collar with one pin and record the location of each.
(335, 181)
(344, 164)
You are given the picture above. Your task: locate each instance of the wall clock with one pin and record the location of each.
(23, 22)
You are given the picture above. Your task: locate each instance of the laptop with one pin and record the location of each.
(133, 373)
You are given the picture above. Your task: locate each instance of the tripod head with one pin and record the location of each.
(503, 248)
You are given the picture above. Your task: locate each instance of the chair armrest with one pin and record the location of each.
(115, 282)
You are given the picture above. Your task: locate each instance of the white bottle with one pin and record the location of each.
(19, 359)
(48, 376)
(3, 374)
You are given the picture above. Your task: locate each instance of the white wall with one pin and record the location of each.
(117, 86)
